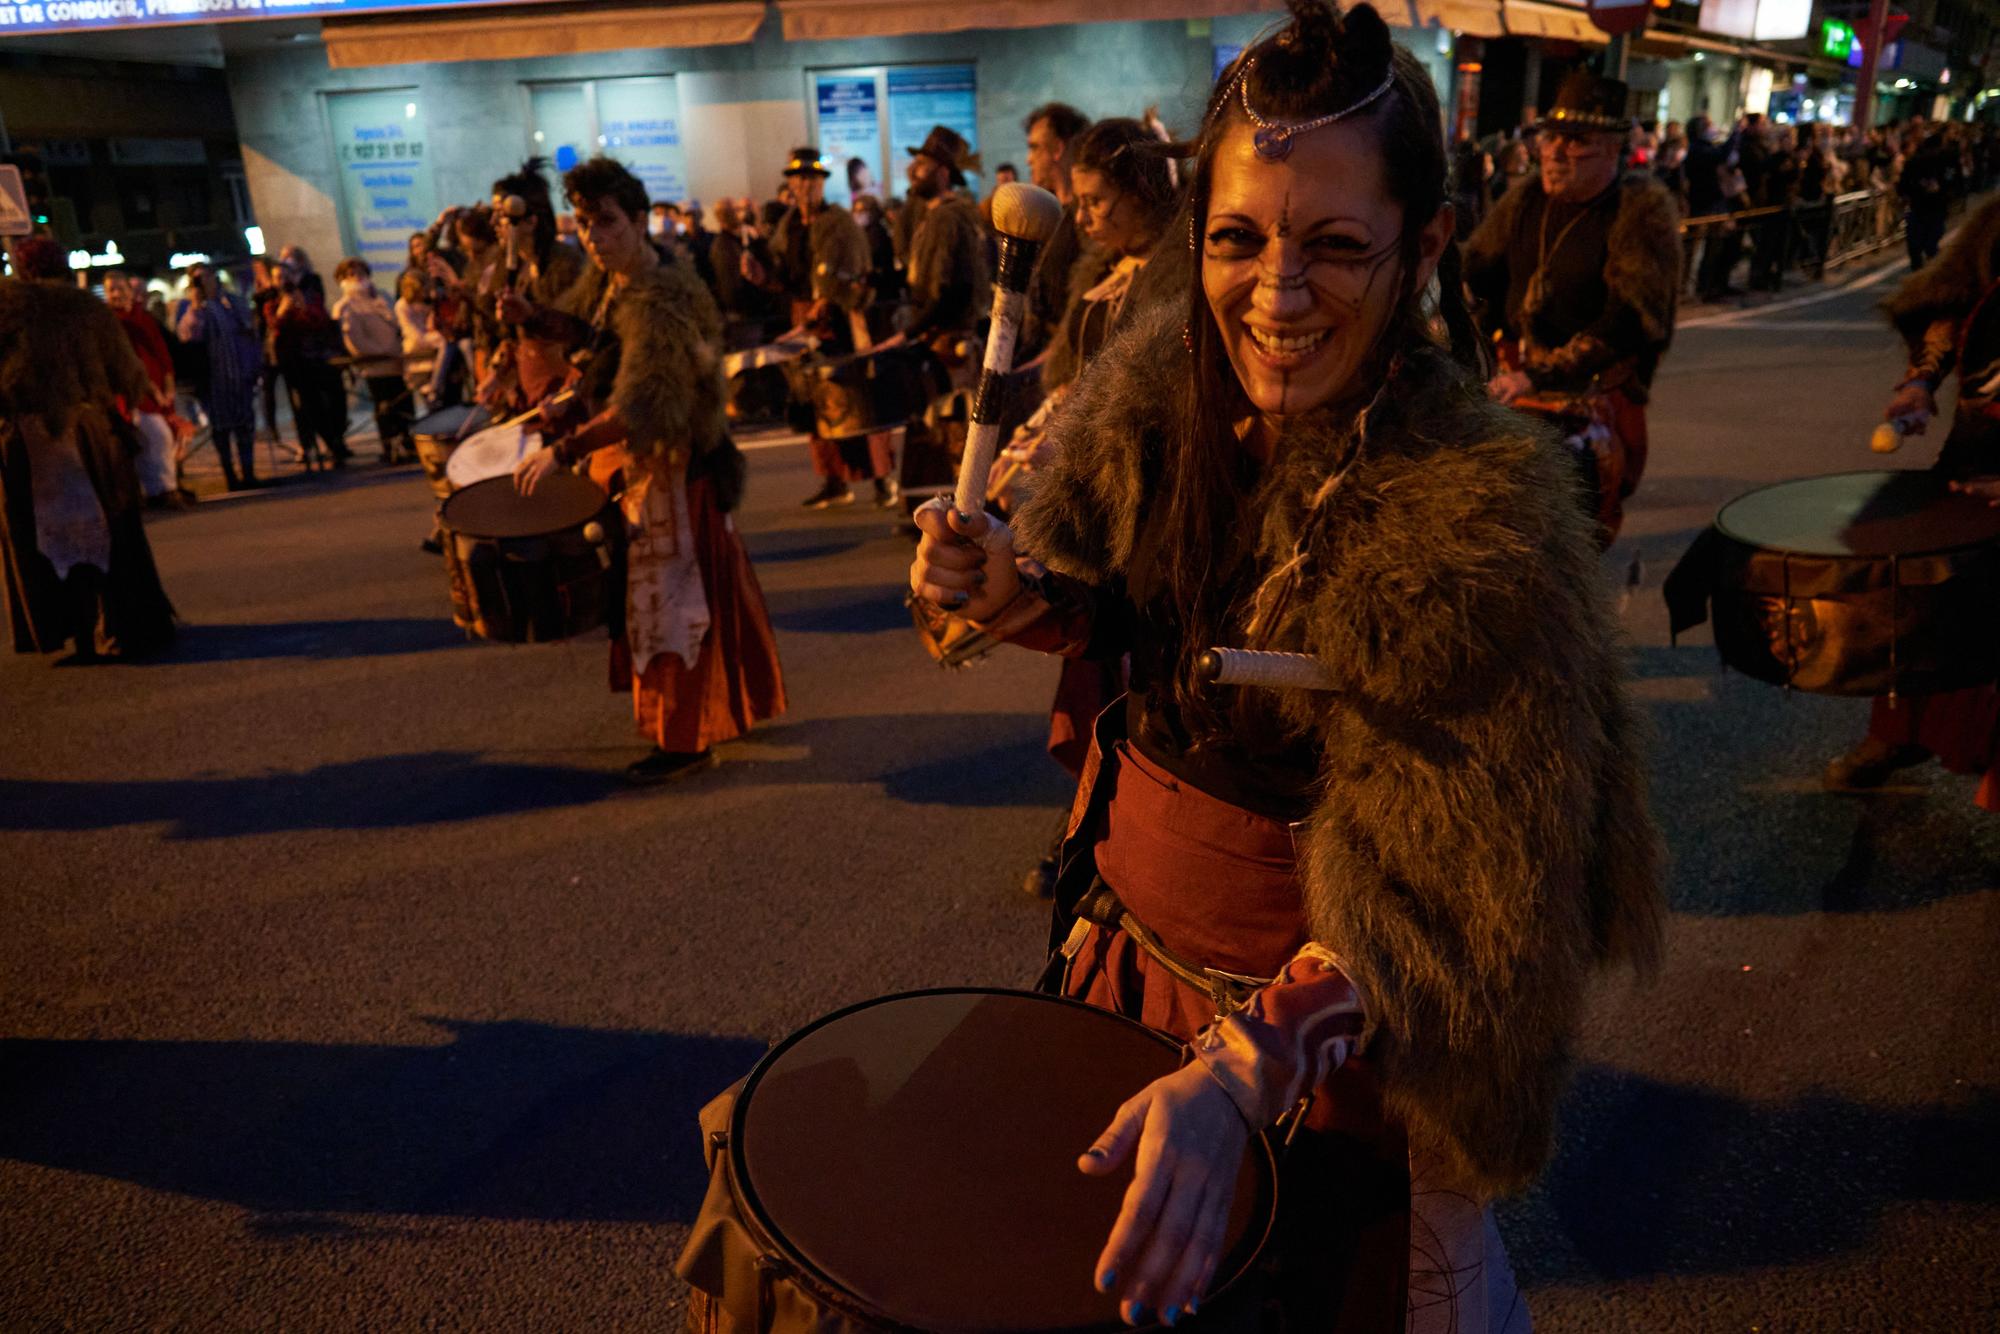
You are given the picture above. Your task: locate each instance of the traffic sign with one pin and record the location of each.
(1620, 16)
(15, 220)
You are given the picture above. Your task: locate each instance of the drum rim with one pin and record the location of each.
(468, 409)
(1751, 542)
(445, 507)
(828, 1288)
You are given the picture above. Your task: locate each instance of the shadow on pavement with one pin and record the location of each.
(390, 791)
(1736, 785)
(790, 544)
(851, 611)
(309, 639)
(1660, 1178)
(506, 1120)
(971, 759)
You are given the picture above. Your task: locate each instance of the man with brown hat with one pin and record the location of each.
(823, 264)
(1576, 274)
(945, 262)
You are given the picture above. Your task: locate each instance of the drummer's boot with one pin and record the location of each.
(664, 766)
(1869, 764)
(832, 492)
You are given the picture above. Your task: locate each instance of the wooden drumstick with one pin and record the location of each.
(1025, 216)
(1252, 667)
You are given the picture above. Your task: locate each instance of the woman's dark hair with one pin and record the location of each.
(605, 178)
(1320, 63)
(477, 223)
(533, 188)
(1126, 153)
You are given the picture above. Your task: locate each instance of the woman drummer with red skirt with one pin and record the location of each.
(1374, 909)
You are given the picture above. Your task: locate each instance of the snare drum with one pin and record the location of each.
(493, 452)
(1860, 583)
(764, 382)
(909, 1163)
(527, 569)
(437, 435)
(876, 391)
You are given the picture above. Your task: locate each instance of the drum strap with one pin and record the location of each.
(1100, 906)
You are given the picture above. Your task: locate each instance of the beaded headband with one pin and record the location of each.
(1273, 139)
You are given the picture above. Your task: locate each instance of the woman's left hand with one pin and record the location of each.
(1189, 1139)
(530, 471)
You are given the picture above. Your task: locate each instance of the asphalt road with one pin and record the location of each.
(342, 985)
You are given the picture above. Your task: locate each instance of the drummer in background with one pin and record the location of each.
(823, 267)
(1576, 273)
(1125, 200)
(1950, 321)
(534, 267)
(1419, 870)
(696, 647)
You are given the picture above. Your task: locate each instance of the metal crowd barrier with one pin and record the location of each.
(1797, 238)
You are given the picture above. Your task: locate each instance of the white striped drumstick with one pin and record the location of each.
(1025, 216)
(1253, 667)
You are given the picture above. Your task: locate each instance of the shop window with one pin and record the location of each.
(865, 119)
(385, 173)
(636, 121)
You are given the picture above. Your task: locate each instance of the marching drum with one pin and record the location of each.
(437, 435)
(876, 391)
(769, 383)
(527, 569)
(493, 452)
(909, 1163)
(1860, 583)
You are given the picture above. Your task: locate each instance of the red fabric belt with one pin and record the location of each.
(1216, 883)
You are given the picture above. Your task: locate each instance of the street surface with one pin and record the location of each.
(344, 986)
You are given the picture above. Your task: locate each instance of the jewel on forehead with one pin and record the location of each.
(1274, 143)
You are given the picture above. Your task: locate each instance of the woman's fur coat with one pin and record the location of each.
(1481, 844)
(1949, 286)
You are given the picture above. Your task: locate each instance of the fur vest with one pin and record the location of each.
(948, 249)
(1951, 285)
(61, 349)
(667, 388)
(1481, 844)
(1642, 262)
(832, 259)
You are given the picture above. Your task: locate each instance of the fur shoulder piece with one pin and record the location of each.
(840, 255)
(1488, 242)
(949, 248)
(1951, 285)
(1642, 267)
(1082, 514)
(60, 350)
(669, 390)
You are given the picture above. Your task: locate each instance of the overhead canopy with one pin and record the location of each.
(506, 34)
(1476, 18)
(1532, 18)
(812, 20)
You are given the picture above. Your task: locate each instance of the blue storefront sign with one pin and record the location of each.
(921, 97)
(385, 175)
(850, 134)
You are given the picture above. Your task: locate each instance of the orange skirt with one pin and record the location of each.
(736, 680)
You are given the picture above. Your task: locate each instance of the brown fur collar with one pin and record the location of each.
(61, 348)
(1482, 843)
(669, 390)
(1951, 285)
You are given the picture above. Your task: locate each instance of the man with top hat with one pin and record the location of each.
(823, 265)
(1576, 274)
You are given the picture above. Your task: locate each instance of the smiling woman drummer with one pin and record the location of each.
(1410, 878)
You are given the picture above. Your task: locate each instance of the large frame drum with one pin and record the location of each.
(877, 390)
(1861, 583)
(528, 569)
(909, 1163)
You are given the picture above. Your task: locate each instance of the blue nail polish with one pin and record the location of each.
(1173, 1313)
(1107, 1280)
(1093, 1152)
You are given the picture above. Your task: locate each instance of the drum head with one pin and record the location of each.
(1860, 514)
(917, 1154)
(445, 423)
(494, 509)
(491, 453)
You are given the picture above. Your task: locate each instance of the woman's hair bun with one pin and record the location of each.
(1320, 35)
